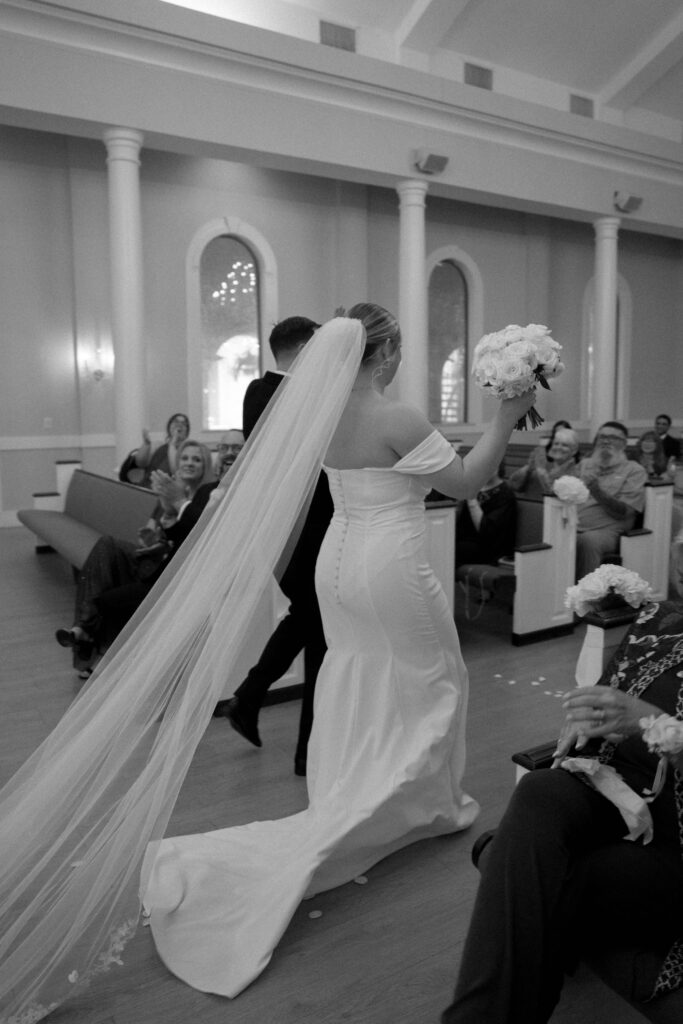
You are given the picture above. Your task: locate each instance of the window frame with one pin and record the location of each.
(475, 321)
(267, 305)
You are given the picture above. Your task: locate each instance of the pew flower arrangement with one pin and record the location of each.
(571, 490)
(663, 734)
(608, 585)
(513, 361)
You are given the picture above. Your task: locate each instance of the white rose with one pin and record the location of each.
(523, 350)
(511, 333)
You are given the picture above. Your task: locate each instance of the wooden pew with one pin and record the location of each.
(537, 577)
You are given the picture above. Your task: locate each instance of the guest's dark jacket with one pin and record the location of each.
(671, 446)
(496, 534)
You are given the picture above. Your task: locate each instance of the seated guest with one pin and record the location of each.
(117, 574)
(617, 494)
(138, 467)
(537, 477)
(671, 445)
(541, 454)
(485, 529)
(649, 453)
(560, 876)
(227, 450)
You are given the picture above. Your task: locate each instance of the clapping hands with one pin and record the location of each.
(170, 491)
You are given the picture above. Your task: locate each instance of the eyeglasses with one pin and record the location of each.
(228, 448)
(613, 440)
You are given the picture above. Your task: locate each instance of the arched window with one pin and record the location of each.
(448, 332)
(230, 329)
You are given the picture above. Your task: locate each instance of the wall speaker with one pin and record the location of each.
(429, 163)
(627, 203)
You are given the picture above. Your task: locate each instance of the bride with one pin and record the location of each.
(387, 751)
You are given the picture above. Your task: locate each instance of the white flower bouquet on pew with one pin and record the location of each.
(608, 585)
(571, 490)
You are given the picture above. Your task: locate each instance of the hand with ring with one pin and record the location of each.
(602, 712)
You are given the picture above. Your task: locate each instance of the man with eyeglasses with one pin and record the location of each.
(617, 494)
(227, 450)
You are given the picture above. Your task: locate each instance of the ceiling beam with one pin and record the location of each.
(649, 65)
(427, 22)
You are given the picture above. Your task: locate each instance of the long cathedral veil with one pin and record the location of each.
(76, 820)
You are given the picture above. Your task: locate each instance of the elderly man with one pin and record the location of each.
(617, 494)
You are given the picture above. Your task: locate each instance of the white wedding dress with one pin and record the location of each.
(385, 758)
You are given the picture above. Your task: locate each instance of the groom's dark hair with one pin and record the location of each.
(291, 332)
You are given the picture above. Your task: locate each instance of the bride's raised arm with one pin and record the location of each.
(463, 478)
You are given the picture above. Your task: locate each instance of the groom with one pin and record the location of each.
(301, 628)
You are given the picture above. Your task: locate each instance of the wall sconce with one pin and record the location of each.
(429, 163)
(624, 202)
(95, 359)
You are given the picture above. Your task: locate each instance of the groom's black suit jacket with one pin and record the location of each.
(298, 578)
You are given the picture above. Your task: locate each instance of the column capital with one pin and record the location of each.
(412, 192)
(123, 143)
(606, 227)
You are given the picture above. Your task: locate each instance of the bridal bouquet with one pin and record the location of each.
(571, 490)
(512, 361)
(608, 584)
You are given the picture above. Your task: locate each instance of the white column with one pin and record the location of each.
(127, 316)
(412, 301)
(605, 331)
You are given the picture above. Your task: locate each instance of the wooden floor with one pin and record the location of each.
(381, 953)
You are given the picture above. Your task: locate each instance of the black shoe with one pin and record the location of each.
(243, 723)
(300, 766)
(66, 638)
(480, 845)
(83, 646)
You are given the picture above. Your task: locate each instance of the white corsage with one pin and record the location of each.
(608, 582)
(663, 734)
(513, 361)
(571, 490)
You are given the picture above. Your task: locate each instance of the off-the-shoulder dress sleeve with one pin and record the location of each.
(431, 455)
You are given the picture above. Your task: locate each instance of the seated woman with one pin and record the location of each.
(117, 574)
(559, 877)
(486, 525)
(537, 477)
(649, 452)
(138, 467)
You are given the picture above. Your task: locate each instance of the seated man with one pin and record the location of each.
(486, 524)
(617, 494)
(671, 445)
(581, 861)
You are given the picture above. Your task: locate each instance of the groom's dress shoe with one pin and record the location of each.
(66, 638)
(83, 646)
(242, 722)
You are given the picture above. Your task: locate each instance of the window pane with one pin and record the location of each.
(228, 279)
(447, 344)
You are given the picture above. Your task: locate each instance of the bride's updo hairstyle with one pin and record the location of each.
(380, 326)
